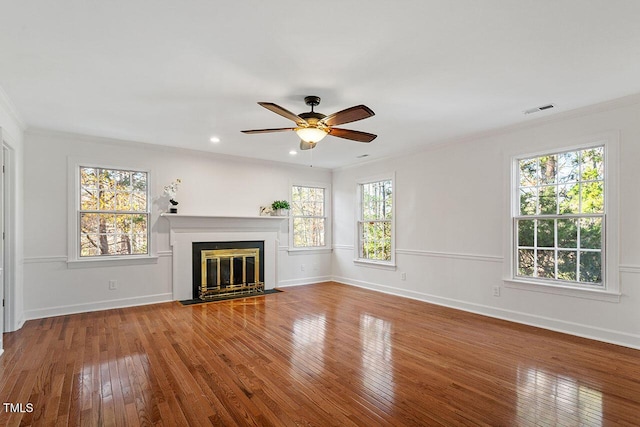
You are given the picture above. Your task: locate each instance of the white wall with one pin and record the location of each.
(451, 211)
(211, 185)
(12, 130)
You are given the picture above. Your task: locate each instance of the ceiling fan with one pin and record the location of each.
(311, 127)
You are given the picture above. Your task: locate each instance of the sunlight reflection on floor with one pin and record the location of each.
(547, 399)
(308, 343)
(377, 358)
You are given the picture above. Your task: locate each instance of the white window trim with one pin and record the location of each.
(327, 247)
(73, 242)
(610, 291)
(387, 265)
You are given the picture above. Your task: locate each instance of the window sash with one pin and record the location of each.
(374, 203)
(311, 199)
(312, 239)
(376, 208)
(558, 258)
(118, 237)
(563, 264)
(382, 247)
(114, 212)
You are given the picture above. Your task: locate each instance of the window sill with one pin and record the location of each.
(112, 261)
(571, 291)
(313, 250)
(375, 264)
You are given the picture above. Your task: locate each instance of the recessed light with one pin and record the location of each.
(214, 139)
(293, 152)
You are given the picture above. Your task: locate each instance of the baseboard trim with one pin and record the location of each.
(303, 281)
(571, 328)
(97, 306)
(19, 323)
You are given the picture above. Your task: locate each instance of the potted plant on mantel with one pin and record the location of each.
(280, 207)
(171, 191)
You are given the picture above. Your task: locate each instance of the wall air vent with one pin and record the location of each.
(536, 109)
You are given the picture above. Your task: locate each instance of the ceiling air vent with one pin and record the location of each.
(541, 108)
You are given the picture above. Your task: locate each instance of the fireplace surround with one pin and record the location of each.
(224, 269)
(185, 229)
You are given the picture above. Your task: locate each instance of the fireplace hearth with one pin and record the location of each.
(227, 269)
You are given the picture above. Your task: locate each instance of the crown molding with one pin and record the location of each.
(599, 107)
(44, 132)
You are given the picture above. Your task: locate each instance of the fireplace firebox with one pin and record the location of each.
(227, 269)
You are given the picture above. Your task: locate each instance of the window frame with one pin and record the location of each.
(327, 217)
(610, 288)
(385, 264)
(74, 213)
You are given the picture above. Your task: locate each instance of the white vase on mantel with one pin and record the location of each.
(282, 212)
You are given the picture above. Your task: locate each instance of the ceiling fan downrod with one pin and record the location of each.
(312, 101)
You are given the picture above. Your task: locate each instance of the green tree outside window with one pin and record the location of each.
(375, 220)
(560, 216)
(113, 212)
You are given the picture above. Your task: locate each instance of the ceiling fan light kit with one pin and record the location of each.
(312, 127)
(304, 145)
(311, 134)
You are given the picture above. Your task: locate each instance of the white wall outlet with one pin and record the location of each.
(113, 284)
(496, 291)
(403, 276)
(301, 267)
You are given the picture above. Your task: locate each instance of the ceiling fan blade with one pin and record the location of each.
(354, 135)
(304, 145)
(349, 115)
(283, 112)
(267, 130)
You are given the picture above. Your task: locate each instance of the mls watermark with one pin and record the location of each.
(18, 407)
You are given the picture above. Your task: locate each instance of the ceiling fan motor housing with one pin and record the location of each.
(312, 117)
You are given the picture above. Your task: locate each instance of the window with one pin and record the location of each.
(113, 212)
(308, 215)
(375, 222)
(560, 217)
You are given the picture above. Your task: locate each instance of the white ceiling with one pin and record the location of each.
(176, 72)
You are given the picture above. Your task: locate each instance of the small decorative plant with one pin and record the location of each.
(280, 204)
(170, 191)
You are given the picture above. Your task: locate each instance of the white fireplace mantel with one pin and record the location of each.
(182, 223)
(184, 230)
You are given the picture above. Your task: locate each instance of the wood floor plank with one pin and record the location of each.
(317, 355)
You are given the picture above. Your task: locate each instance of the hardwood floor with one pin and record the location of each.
(323, 355)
